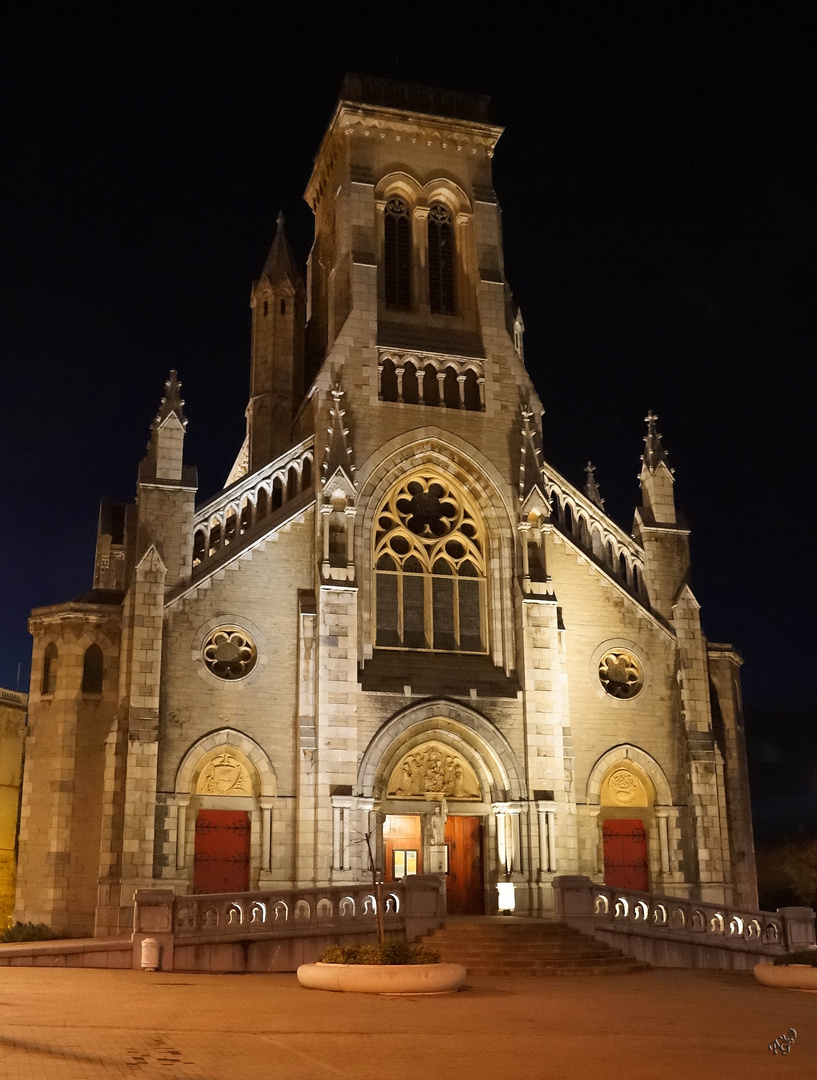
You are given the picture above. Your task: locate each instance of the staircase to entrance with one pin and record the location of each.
(509, 945)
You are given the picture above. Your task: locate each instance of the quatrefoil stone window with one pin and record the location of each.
(230, 653)
(620, 674)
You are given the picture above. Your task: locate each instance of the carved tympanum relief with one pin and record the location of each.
(623, 788)
(224, 775)
(620, 674)
(433, 769)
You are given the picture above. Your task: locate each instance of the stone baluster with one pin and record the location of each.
(461, 387)
(441, 388)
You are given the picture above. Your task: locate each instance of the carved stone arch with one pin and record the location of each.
(483, 482)
(482, 744)
(622, 755)
(448, 192)
(226, 737)
(398, 183)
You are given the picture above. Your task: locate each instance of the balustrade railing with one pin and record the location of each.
(700, 922)
(351, 909)
(445, 382)
(225, 519)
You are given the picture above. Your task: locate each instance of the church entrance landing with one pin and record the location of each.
(222, 857)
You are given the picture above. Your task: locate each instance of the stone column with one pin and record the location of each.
(662, 814)
(265, 804)
(182, 803)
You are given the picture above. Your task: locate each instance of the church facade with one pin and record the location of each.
(397, 629)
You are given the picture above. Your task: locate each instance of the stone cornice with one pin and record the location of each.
(377, 121)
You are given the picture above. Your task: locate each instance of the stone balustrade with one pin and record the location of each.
(239, 510)
(672, 931)
(276, 929)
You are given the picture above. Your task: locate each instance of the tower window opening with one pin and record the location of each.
(283, 307)
(49, 684)
(266, 308)
(397, 255)
(92, 670)
(441, 260)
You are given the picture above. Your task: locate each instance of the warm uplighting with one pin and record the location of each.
(507, 896)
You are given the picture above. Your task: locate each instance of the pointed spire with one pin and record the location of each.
(338, 470)
(591, 488)
(654, 452)
(530, 464)
(172, 401)
(280, 265)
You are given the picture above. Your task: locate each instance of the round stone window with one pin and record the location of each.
(229, 653)
(620, 674)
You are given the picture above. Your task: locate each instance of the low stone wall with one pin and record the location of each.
(279, 931)
(73, 953)
(673, 931)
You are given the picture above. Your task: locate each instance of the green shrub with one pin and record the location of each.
(805, 956)
(29, 932)
(392, 951)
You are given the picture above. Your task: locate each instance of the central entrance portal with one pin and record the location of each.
(222, 858)
(403, 856)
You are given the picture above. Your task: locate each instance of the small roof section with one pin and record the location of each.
(390, 94)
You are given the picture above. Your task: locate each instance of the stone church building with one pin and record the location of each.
(396, 620)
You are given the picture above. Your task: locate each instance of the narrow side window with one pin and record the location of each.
(50, 669)
(92, 670)
(441, 260)
(397, 254)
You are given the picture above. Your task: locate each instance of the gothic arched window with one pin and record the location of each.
(50, 669)
(92, 670)
(429, 560)
(397, 254)
(441, 260)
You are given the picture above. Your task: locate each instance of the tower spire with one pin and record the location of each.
(172, 401)
(591, 488)
(654, 452)
(280, 265)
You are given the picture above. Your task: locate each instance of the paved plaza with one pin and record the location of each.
(654, 1025)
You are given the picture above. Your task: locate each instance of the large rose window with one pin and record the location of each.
(430, 568)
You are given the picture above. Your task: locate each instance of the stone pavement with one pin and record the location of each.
(653, 1025)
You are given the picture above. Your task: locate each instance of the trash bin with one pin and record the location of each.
(150, 954)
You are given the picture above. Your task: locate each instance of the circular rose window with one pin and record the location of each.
(620, 674)
(230, 653)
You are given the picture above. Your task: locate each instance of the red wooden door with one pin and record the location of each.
(463, 839)
(625, 854)
(222, 859)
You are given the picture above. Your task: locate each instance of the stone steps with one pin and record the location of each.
(537, 948)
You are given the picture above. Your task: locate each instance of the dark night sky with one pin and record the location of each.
(658, 192)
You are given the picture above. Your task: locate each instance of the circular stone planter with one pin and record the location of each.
(383, 978)
(791, 976)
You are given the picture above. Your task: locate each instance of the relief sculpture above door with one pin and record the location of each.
(433, 770)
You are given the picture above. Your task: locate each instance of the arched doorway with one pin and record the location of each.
(442, 837)
(435, 773)
(225, 790)
(626, 817)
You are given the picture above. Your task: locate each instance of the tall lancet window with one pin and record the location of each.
(398, 254)
(441, 260)
(429, 559)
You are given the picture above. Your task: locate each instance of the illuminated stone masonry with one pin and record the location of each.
(396, 621)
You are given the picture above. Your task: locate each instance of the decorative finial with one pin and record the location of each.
(654, 452)
(591, 488)
(172, 401)
(279, 221)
